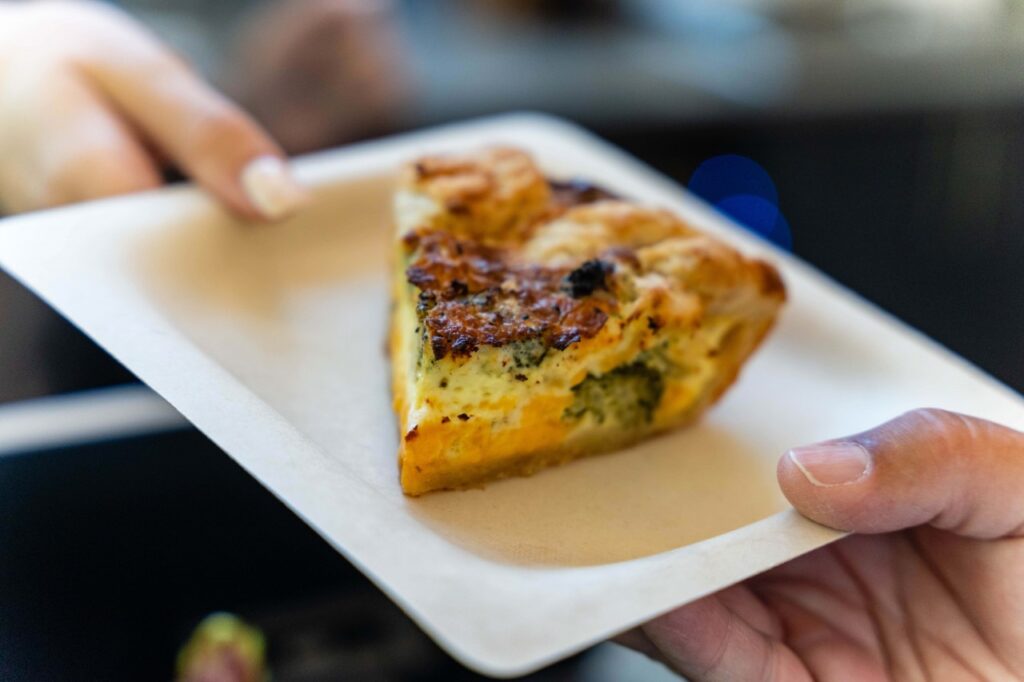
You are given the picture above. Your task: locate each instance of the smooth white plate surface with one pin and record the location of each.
(270, 340)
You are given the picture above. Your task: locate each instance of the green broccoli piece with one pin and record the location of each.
(628, 394)
(528, 353)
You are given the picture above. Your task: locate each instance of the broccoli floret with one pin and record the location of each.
(528, 353)
(628, 394)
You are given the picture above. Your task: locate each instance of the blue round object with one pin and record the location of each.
(741, 189)
(729, 175)
(760, 216)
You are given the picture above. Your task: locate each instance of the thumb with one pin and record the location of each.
(954, 472)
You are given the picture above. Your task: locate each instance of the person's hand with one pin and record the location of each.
(91, 105)
(930, 588)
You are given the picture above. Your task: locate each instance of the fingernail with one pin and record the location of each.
(270, 187)
(831, 464)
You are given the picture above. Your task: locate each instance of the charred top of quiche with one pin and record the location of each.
(496, 267)
(473, 295)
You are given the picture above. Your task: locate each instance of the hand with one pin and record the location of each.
(90, 104)
(931, 588)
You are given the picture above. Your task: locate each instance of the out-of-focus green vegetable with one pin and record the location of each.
(223, 648)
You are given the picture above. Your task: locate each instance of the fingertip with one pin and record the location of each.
(832, 464)
(827, 482)
(210, 138)
(237, 162)
(271, 189)
(791, 480)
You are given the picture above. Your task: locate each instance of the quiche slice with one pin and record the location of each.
(536, 322)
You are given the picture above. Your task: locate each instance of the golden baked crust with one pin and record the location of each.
(493, 195)
(536, 322)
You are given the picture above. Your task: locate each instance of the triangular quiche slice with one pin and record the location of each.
(536, 322)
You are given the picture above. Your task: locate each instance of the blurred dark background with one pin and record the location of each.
(894, 133)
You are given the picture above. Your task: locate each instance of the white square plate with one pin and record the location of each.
(270, 340)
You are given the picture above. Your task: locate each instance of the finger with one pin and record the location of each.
(706, 642)
(827, 651)
(111, 162)
(638, 641)
(210, 138)
(87, 151)
(742, 602)
(954, 472)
